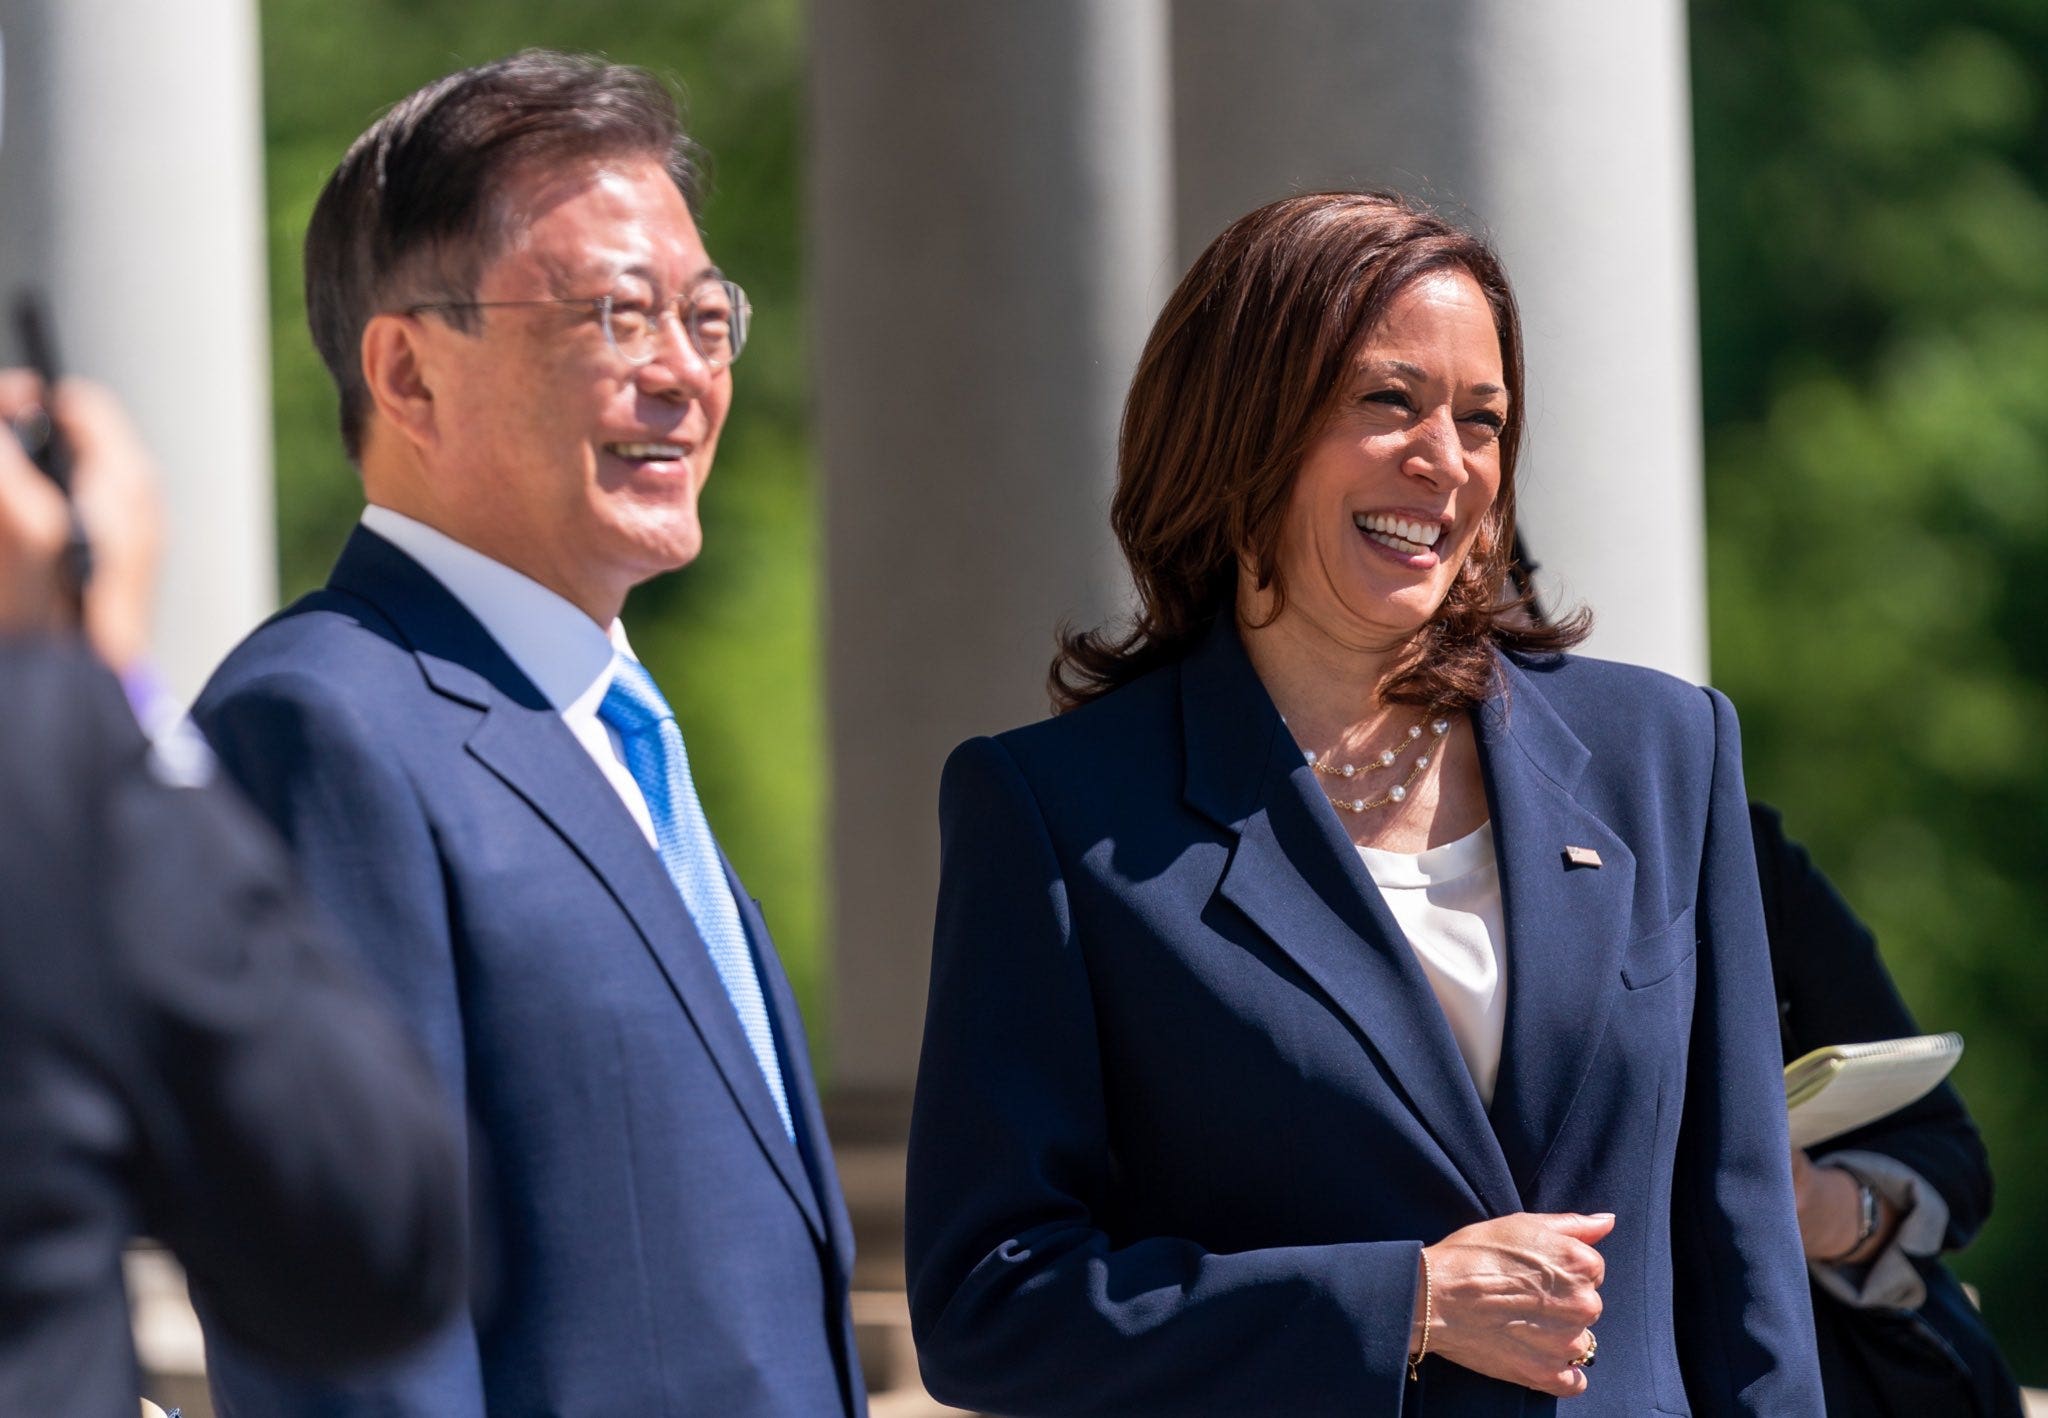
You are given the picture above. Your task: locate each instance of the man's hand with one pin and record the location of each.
(114, 487)
(33, 525)
(1514, 1297)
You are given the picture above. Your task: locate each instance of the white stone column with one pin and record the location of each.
(1561, 129)
(131, 163)
(990, 237)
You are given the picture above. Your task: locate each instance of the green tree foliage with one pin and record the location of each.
(733, 637)
(1873, 237)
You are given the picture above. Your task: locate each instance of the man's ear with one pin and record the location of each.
(398, 371)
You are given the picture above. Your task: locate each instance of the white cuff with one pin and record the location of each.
(1890, 1282)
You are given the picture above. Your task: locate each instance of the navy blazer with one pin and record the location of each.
(1188, 1108)
(663, 1248)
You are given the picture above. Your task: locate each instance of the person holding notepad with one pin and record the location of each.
(1878, 1205)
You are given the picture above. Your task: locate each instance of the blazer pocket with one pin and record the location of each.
(1651, 959)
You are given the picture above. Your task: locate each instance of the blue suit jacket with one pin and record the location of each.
(1188, 1108)
(663, 1248)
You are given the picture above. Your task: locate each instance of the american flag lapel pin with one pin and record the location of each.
(1580, 857)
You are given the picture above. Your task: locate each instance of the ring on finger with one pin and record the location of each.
(1585, 1360)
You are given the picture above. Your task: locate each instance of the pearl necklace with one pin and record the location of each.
(1386, 758)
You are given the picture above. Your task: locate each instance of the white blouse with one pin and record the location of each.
(1447, 902)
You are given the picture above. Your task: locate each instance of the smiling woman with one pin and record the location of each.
(1375, 997)
(1395, 487)
(1277, 340)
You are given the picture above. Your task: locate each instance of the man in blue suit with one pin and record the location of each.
(487, 791)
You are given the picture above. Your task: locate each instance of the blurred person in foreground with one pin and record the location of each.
(1350, 1003)
(485, 787)
(179, 1055)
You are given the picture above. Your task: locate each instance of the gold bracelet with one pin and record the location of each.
(1415, 1359)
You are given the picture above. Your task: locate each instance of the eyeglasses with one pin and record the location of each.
(714, 318)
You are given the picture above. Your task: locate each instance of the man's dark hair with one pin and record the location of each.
(410, 215)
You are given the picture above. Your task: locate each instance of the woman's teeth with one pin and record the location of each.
(1398, 533)
(648, 452)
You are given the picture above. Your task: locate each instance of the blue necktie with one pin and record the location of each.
(655, 757)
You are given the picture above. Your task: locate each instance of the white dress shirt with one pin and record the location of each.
(566, 654)
(1447, 902)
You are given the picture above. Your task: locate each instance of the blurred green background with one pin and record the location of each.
(1873, 243)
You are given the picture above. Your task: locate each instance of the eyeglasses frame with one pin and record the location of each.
(742, 307)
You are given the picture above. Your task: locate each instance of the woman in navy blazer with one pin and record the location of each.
(1209, 1120)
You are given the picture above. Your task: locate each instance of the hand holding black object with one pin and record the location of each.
(114, 497)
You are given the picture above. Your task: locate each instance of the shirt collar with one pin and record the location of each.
(566, 654)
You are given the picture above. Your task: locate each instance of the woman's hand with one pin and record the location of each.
(1514, 1297)
(1831, 1214)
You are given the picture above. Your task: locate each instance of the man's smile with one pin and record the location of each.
(648, 452)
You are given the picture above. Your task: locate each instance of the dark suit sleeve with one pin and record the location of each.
(296, 1152)
(1021, 1301)
(1745, 1321)
(337, 790)
(266, 1118)
(1833, 989)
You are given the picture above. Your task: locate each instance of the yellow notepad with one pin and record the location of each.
(1840, 1088)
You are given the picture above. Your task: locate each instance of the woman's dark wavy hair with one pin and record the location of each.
(1242, 370)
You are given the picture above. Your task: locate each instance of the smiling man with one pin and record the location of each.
(487, 791)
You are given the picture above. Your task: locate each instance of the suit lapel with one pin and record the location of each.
(1296, 876)
(523, 741)
(539, 759)
(804, 1104)
(1566, 920)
